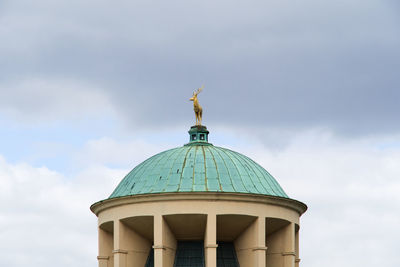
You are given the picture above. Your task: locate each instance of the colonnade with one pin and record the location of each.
(264, 242)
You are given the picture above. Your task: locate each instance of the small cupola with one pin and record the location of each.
(198, 135)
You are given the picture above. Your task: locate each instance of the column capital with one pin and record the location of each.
(103, 258)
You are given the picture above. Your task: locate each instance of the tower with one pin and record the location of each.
(198, 205)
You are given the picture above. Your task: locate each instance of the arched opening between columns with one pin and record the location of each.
(236, 239)
(182, 240)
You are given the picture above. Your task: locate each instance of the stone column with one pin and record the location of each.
(210, 241)
(158, 242)
(105, 248)
(260, 248)
(120, 254)
(165, 243)
(297, 260)
(289, 254)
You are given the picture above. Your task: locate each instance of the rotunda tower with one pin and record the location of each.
(198, 205)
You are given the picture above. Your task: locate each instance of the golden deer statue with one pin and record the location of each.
(198, 111)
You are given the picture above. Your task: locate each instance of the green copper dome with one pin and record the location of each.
(198, 167)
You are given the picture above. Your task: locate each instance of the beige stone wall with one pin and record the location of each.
(281, 247)
(245, 244)
(135, 247)
(250, 245)
(242, 219)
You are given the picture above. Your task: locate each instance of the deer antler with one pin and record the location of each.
(200, 89)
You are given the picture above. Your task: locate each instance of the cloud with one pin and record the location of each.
(350, 186)
(352, 190)
(37, 100)
(296, 79)
(110, 152)
(274, 64)
(45, 216)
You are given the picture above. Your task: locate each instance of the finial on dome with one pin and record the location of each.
(198, 135)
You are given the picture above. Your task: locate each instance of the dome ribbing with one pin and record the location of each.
(198, 167)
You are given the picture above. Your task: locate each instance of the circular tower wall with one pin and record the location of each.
(198, 205)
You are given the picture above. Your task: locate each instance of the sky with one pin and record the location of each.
(308, 89)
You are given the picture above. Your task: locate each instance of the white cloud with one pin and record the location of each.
(45, 217)
(108, 151)
(294, 65)
(352, 189)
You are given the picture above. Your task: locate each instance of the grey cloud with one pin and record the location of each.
(35, 100)
(273, 64)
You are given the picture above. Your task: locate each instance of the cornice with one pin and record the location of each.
(292, 204)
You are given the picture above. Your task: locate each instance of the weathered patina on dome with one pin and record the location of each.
(198, 167)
